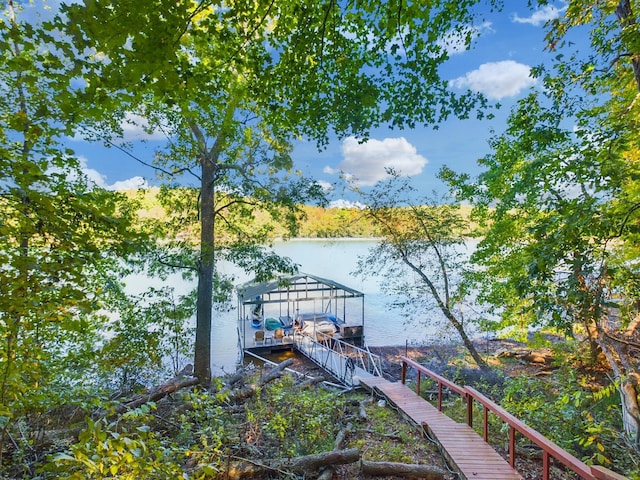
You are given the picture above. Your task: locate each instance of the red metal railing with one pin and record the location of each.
(469, 394)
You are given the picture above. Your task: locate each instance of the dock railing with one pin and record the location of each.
(342, 359)
(549, 449)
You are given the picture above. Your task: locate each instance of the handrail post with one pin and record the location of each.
(545, 465)
(403, 376)
(469, 409)
(439, 396)
(512, 446)
(485, 424)
(418, 384)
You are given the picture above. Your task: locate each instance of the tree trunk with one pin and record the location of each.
(626, 16)
(252, 389)
(444, 308)
(622, 355)
(465, 339)
(206, 265)
(384, 469)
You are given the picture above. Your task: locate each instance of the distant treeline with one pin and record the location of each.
(336, 222)
(316, 222)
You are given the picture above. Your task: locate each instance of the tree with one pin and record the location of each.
(60, 238)
(421, 254)
(561, 201)
(233, 84)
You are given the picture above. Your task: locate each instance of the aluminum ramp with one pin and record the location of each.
(342, 360)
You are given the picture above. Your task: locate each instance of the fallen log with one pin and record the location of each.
(251, 389)
(310, 382)
(325, 459)
(245, 468)
(407, 470)
(182, 380)
(527, 355)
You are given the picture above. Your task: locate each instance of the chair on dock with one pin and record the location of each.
(278, 335)
(259, 337)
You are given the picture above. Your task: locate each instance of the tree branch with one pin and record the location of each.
(150, 165)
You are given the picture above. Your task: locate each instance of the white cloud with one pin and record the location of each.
(326, 186)
(365, 163)
(540, 17)
(93, 175)
(136, 127)
(134, 183)
(99, 180)
(342, 203)
(497, 80)
(455, 41)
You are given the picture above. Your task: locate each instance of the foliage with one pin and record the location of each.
(583, 421)
(147, 330)
(233, 85)
(544, 255)
(296, 435)
(115, 450)
(420, 254)
(62, 238)
(559, 194)
(316, 221)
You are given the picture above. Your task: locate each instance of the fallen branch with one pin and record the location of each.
(392, 436)
(309, 383)
(246, 468)
(182, 380)
(251, 389)
(407, 470)
(325, 459)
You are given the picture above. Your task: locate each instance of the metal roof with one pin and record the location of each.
(296, 285)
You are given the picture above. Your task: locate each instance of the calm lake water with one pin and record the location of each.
(335, 260)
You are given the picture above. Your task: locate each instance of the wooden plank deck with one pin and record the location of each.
(465, 450)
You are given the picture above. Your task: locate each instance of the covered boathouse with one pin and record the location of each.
(271, 313)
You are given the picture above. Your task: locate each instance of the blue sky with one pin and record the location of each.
(507, 45)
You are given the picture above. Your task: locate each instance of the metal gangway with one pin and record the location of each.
(345, 361)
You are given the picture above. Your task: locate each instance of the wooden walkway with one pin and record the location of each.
(465, 450)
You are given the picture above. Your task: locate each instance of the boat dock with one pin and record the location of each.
(322, 319)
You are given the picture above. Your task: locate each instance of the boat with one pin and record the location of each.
(312, 327)
(313, 323)
(317, 317)
(272, 324)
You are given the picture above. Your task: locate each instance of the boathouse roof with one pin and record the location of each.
(301, 285)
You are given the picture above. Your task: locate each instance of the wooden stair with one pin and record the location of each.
(464, 449)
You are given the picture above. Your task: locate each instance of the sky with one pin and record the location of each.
(507, 45)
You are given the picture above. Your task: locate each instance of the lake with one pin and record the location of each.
(335, 260)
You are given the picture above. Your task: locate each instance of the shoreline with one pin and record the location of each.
(436, 356)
